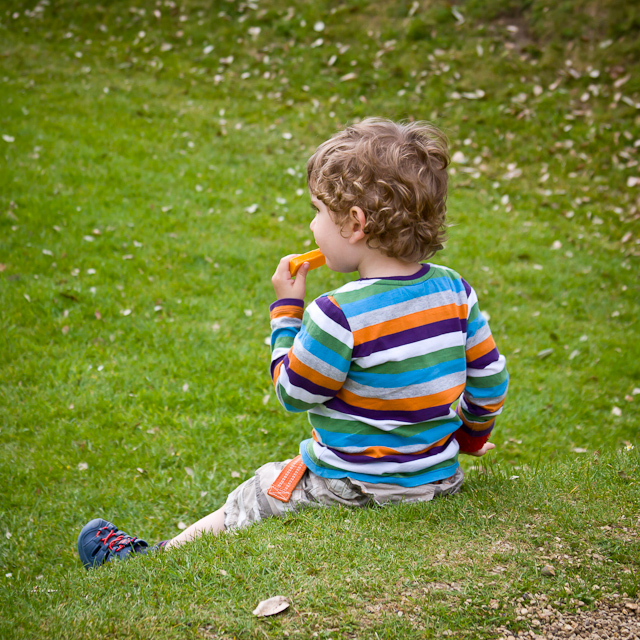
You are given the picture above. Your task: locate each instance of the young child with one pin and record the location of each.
(379, 363)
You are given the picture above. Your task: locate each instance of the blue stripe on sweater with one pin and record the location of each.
(323, 353)
(400, 294)
(475, 325)
(406, 378)
(414, 481)
(282, 332)
(386, 439)
(487, 392)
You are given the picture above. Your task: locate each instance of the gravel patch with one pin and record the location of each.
(610, 620)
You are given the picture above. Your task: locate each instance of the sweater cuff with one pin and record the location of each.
(289, 307)
(470, 444)
(470, 439)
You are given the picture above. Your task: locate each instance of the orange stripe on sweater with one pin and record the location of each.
(409, 321)
(402, 404)
(480, 349)
(276, 372)
(380, 452)
(292, 311)
(492, 407)
(311, 374)
(476, 426)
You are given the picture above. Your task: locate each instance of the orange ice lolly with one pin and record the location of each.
(314, 258)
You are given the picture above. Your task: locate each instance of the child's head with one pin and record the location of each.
(397, 174)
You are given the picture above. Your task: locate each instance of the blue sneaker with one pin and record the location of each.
(101, 541)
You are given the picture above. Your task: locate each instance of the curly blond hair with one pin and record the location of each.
(397, 174)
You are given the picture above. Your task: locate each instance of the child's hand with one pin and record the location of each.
(287, 287)
(480, 452)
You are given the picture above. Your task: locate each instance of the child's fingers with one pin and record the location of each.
(298, 285)
(282, 270)
(303, 271)
(480, 452)
(283, 282)
(487, 447)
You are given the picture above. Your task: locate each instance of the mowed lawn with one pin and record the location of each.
(152, 174)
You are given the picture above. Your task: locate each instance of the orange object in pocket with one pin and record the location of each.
(314, 258)
(288, 480)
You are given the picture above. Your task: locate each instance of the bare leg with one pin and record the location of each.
(213, 523)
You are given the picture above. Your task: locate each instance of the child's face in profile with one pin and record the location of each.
(331, 240)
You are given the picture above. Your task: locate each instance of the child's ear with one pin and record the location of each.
(357, 221)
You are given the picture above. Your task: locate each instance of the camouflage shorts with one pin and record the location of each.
(250, 503)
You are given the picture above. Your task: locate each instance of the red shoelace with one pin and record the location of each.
(122, 539)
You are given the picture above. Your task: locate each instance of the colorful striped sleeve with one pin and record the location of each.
(310, 352)
(487, 381)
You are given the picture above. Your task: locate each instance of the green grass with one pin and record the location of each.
(162, 172)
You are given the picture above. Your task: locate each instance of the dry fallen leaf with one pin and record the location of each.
(271, 606)
(548, 570)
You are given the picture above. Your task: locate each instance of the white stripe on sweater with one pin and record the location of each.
(330, 326)
(298, 393)
(327, 457)
(429, 387)
(383, 425)
(411, 350)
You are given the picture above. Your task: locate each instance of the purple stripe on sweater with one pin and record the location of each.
(424, 269)
(476, 434)
(274, 364)
(422, 415)
(467, 286)
(475, 409)
(485, 360)
(409, 336)
(394, 457)
(304, 383)
(286, 302)
(332, 311)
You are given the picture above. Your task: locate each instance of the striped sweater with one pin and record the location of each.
(379, 364)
